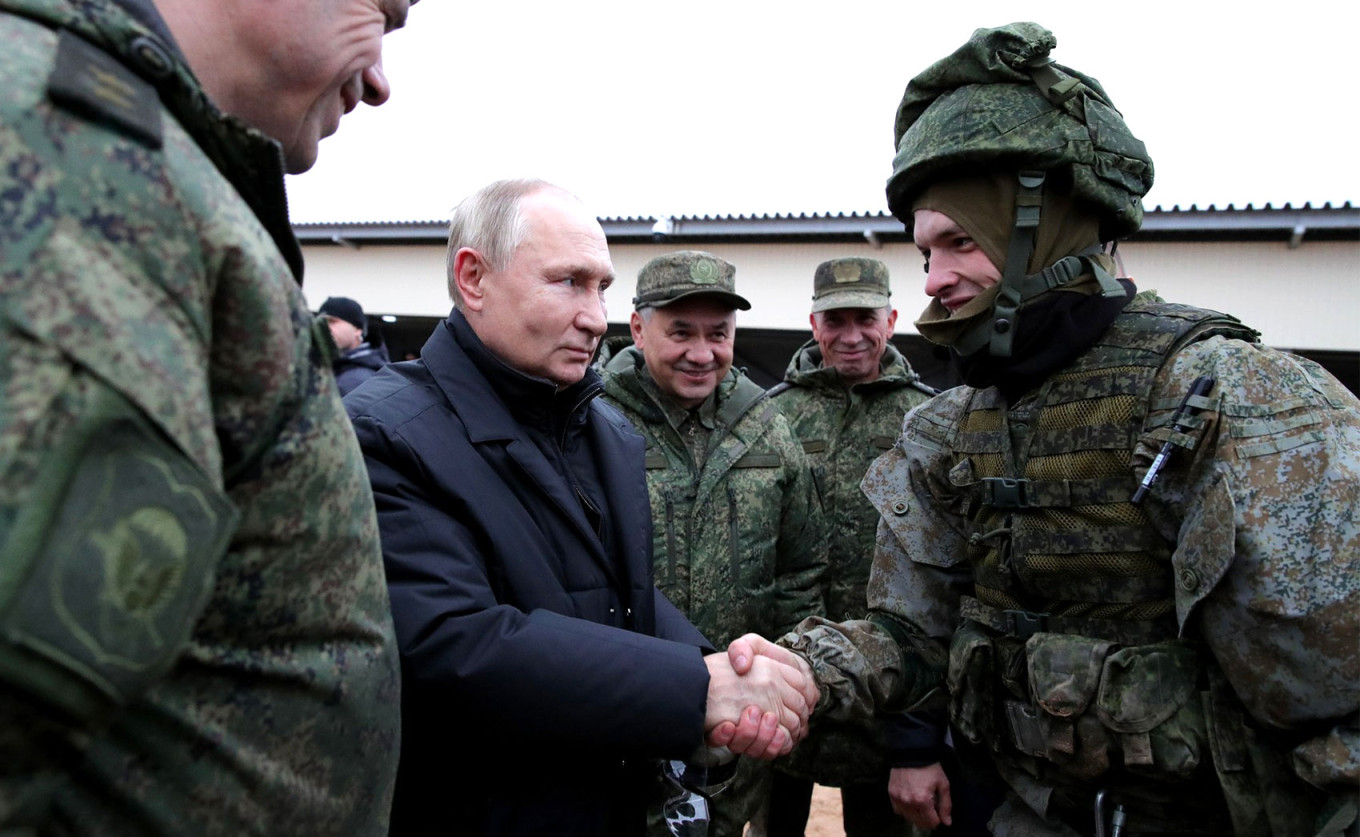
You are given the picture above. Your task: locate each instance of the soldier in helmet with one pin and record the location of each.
(1126, 551)
(844, 395)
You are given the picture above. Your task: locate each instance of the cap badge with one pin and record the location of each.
(703, 272)
(845, 272)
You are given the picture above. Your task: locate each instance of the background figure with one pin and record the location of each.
(1127, 545)
(738, 539)
(361, 354)
(845, 394)
(197, 638)
(543, 673)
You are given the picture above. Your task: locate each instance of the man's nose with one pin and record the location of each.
(376, 88)
(700, 353)
(591, 317)
(939, 277)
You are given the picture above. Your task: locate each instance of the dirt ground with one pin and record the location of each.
(825, 817)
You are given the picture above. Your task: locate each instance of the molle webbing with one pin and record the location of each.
(1049, 488)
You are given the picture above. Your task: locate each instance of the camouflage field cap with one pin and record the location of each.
(850, 283)
(999, 102)
(687, 273)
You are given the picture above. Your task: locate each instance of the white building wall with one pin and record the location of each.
(1305, 298)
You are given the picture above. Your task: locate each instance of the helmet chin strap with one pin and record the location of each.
(997, 333)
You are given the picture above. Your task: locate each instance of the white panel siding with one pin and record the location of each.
(1305, 298)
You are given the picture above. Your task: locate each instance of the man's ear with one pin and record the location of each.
(470, 270)
(635, 326)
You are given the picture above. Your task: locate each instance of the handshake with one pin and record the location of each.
(760, 697)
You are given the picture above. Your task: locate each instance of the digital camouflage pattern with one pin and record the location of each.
(1255, 505)
(739, 540)
(850, 282)
(1000, 102)
(739, 543)
(843, 429)
(196, 633)
(673, 276)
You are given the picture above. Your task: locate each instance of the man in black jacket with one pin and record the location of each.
(543, 674)
(361, 353)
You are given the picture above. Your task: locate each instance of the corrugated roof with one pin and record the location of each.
(1192, 223)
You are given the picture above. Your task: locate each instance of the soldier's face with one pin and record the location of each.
(853, 340)
(687, 346)
(312, 62)
(956, 267)
(544, 313)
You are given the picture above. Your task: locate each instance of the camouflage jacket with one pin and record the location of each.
(1265, 565)
(197, 637)
(739, 541)
(843, 429)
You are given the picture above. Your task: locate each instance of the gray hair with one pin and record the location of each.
(489, 221)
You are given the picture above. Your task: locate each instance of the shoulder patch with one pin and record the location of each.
(89, 81)
(122, 548)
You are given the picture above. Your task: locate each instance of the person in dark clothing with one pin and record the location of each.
(543, 674)
(360, 354)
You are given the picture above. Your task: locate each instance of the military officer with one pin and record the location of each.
(739, 542)
(197, 637)
(845, 393)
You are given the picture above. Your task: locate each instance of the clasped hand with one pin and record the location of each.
(760, 697)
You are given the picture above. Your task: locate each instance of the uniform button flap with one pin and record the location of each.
(1188, 580)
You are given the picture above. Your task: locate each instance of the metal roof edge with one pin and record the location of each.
(1286, 223)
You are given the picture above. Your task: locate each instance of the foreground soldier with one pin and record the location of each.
(738, 539)
(844, 394)
(197, 638)
(1128, 545)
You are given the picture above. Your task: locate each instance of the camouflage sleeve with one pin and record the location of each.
(801, 554)
(895, 659)
(110, 536)
(1268, 558)
(112, 514)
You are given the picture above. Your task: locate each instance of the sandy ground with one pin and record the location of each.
(825, 817)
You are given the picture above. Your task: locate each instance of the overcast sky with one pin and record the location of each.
(724, 107)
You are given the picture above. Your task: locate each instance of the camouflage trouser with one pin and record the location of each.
(1016, 819)
(731, 809)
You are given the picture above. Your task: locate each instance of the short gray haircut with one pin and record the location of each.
(489, 221)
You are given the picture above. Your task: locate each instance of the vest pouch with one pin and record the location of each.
(1148, 697)
(1064, 679)
(970, 682)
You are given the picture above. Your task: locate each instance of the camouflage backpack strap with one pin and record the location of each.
(782, 386)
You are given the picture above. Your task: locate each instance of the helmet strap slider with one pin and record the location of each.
(1028, 202)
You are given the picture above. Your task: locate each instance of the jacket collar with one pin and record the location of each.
(529, 400)
(494, 401)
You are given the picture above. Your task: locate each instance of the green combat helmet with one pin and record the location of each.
(999, 102)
